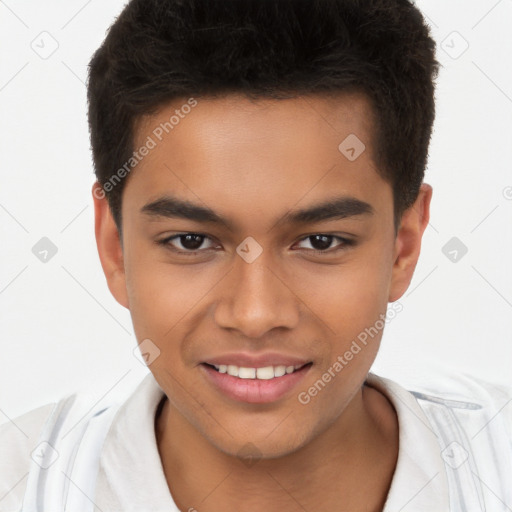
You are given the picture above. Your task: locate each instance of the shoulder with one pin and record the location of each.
(479, 411)
(466, 393)
(18, 438)
(458, 391)
(466, 410)
(47, 438)
(471, 422)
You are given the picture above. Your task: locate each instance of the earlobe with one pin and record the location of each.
(408, 242)
(109, 246)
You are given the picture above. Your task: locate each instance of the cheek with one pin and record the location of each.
(168, 301)
(350, 302)
(159, 311)
(353, 307)
(347, 297)
(156, 296)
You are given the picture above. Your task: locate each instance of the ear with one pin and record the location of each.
(408, 242)
(109, 246)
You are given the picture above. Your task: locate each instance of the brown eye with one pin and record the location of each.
(186, 242)
(191, 241)
(323, 243)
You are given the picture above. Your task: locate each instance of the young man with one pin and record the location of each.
(260, 201)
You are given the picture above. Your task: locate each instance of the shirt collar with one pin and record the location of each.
(131, 445)
(419, 483)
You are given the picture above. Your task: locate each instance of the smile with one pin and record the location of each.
(264, 373)
(254, 385)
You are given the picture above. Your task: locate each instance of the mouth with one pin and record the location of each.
(261, 373)
(255, 384)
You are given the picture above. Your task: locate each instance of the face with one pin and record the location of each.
(252, 243)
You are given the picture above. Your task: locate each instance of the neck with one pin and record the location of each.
(350, 463)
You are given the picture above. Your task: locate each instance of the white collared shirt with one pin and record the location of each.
(455, 452)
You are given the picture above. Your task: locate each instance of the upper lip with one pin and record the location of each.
(245, 360)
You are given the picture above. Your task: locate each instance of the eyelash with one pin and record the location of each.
(345, 242)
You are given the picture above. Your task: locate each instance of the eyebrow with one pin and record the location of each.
(335, 208)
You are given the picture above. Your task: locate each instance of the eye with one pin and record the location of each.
(190, 243)
(323, 243)
(186, 242)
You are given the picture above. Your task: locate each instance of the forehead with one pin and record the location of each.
(245, 121)
(258, 155)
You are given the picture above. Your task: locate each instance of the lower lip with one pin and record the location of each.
(254, 391)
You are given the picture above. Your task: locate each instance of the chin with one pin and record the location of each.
(259, 446)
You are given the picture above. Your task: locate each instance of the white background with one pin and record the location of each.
(60, 329)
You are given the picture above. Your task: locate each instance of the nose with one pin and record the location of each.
(256, 299)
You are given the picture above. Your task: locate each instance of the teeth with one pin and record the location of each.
(246, 373)
(265, 373)
(279, 371)
(233, 370)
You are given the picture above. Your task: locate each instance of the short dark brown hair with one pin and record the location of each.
(160, 50)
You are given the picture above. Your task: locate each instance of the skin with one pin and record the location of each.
(252, 162)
